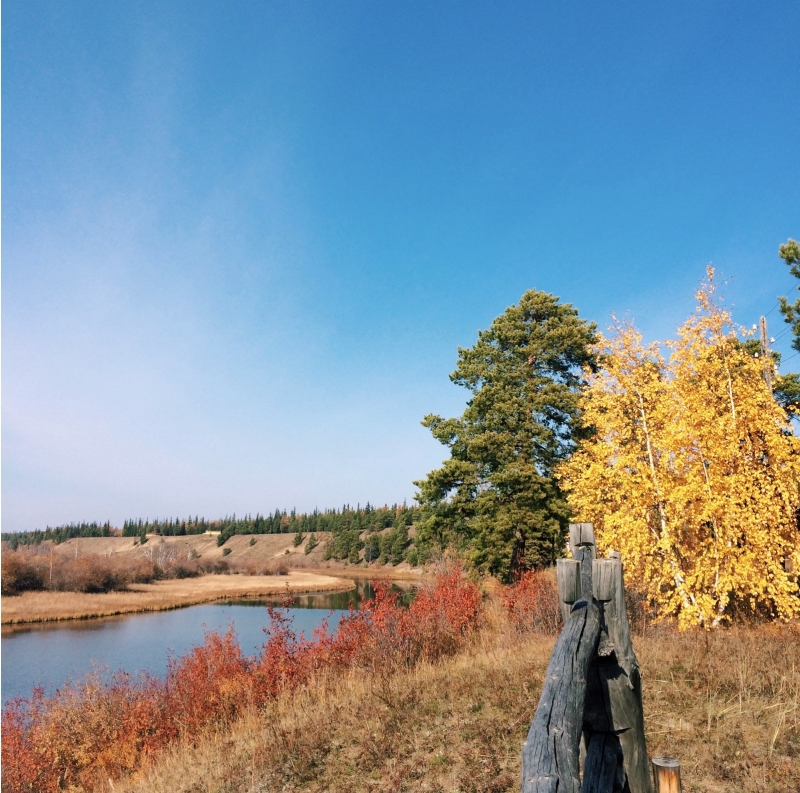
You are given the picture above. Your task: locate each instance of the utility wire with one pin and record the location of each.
(783, 333)
(794, 355)
(778, 302)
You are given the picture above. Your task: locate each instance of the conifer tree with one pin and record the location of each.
(495, 497)
(790, 253)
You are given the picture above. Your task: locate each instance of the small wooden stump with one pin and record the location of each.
(667, 775)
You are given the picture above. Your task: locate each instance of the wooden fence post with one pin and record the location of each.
(613, 714)
(550, 753)
(568, 575)
(614, 711)
(581, 535)
(592, 694)
(667, 775)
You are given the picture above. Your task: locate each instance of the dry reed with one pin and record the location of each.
(160, 595)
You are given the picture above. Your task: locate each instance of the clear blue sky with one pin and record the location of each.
(242, 241)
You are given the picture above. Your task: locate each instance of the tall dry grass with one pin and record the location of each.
(92, 732)
(725, 704)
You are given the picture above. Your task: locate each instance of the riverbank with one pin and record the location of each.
(459, 725)
(162, 595)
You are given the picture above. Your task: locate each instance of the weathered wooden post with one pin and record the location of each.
(550, 754)
(667, 773)
(614, 695)
(613, 719)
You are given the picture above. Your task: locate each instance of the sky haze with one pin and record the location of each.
(243, 241)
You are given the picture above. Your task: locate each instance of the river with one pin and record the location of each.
(50, 654)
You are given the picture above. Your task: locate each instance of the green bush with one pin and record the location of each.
(226, 551)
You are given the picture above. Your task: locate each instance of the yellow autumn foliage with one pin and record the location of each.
(692, 472)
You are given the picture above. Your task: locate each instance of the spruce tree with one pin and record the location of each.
(495, 497)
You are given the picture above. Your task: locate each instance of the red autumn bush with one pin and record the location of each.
(431, 627)
(532, 603)
(93, 731)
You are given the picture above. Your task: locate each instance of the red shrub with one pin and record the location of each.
(95, 731)
(532, 603)
(432, 626)
(211, 683)
(23, 769)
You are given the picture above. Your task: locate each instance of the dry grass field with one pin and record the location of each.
(725, 704)
(267, 547)
(161, 595)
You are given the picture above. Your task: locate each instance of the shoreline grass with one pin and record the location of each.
(37, 607)
(398, 704)
(459, 724)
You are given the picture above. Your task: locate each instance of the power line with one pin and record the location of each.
(778, 302)
(783, 332)
(790, 357)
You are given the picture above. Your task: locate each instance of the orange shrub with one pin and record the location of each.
(94, 731)
(532, 603)
(39, 567)
(87, 574)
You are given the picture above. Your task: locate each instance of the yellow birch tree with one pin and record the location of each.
(692, 472)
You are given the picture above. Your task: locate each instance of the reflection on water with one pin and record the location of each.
(337, 601)
(51, 654)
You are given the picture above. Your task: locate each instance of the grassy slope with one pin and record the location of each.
(727, 707)
(267, 546)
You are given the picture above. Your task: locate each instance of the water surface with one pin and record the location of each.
(49, 654)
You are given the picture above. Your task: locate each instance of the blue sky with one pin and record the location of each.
(242, 241)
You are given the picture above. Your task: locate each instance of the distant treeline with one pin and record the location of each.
(366, 518)
(59, 534)
(346, 525)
